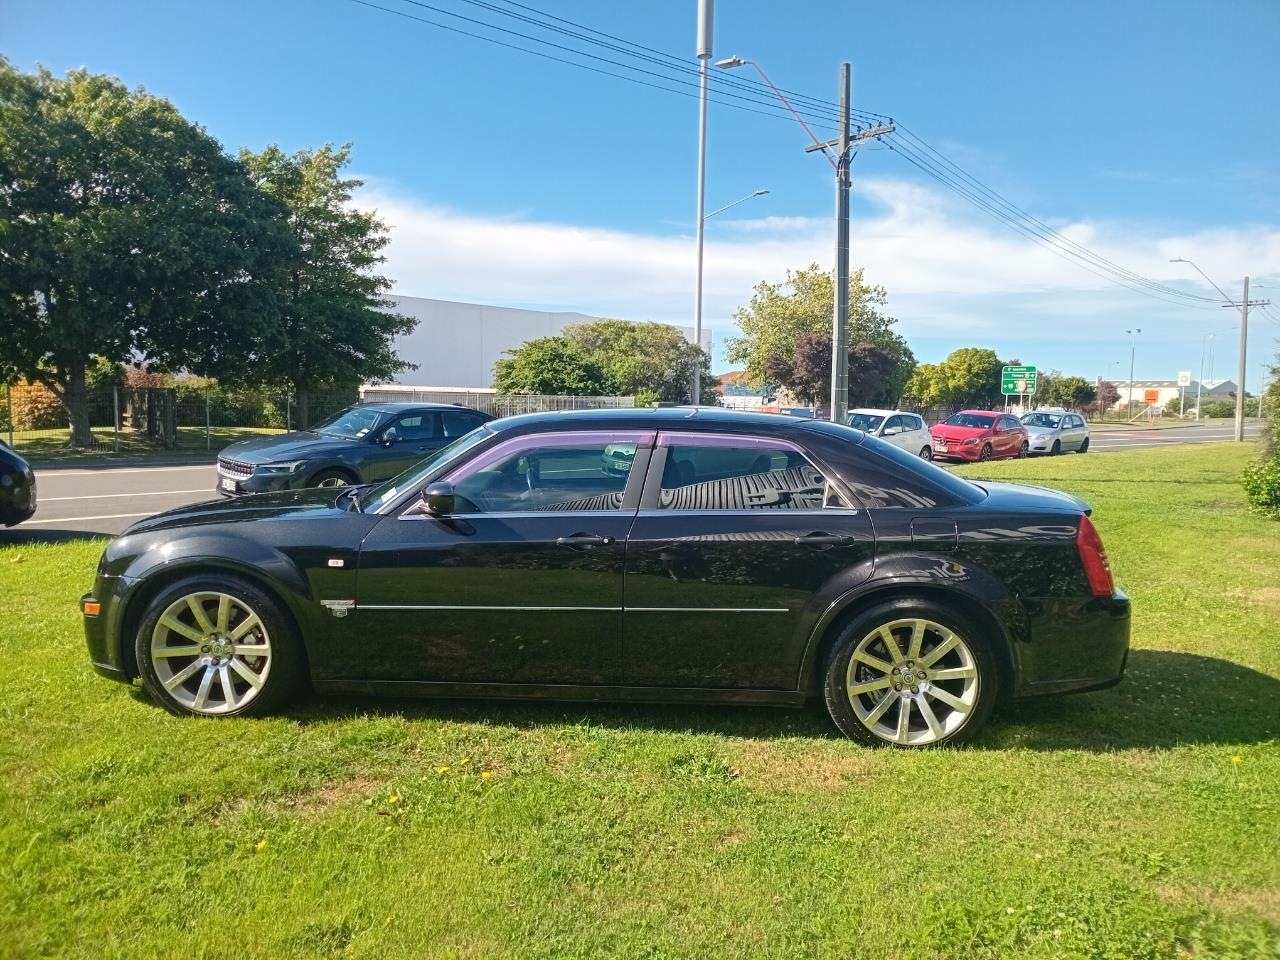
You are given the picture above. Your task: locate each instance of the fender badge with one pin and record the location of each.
(339, 608)
(336, 562)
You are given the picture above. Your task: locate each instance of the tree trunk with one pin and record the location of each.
(75, 400)
(302, 398)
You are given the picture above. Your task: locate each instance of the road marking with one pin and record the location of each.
(51, 473)
(112, 496)
(107, 516)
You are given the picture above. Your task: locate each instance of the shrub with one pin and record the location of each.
(36, 407)
(1262, 486)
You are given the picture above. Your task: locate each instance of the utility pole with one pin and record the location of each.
(840, 317)
(1245, 304)
(706, 14)
(1133, 347)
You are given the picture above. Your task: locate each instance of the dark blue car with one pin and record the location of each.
(362, 444)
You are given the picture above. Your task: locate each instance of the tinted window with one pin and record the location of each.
(545, 474)
(914, 423)
(755, 475)
(979, 421)
(895, 424)
(460, 422)
(413, 426)
(865, 421)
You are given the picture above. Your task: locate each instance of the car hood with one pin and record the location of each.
(282, 447)
(948, 432)
(1035, 431)
(311, 503)
(1027, 497)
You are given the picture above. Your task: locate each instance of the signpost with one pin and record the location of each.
(1018, 381)
(1184, 381)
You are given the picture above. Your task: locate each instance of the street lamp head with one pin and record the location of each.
(1179, 260)
(728, 63)
(760, 193)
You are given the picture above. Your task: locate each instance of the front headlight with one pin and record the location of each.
(972, 441)
(280, 469)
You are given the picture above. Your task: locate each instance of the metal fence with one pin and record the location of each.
(490, 401)
(124, 419)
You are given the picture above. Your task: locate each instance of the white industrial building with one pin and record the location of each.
(456, 344)
(1166, 390)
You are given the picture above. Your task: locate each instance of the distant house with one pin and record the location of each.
(1166, 390)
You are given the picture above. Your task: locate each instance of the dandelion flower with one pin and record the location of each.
(486, 775)
(394, 798)
(465, 760)
(442, 770)
(261, 844)
(1237, 759)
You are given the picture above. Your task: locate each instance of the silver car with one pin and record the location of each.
(1056, 431)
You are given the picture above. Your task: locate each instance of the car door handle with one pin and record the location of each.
(822, 540)
(583, 540)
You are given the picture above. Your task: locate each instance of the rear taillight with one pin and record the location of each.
(1094, 558)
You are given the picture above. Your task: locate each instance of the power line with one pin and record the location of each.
(1043, 227)
(1071, 256)
(571, 63)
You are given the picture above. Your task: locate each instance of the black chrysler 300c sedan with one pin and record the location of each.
(660, 555)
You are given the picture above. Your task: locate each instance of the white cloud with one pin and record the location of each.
(949, 270)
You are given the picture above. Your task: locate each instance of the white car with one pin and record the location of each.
(902, 429)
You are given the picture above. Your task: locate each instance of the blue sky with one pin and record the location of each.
(1144, 131)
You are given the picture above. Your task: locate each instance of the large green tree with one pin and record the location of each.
(125, 232)
(552, 366)
(969, 377)
(780, 313)
(651, 361)
(335, 328)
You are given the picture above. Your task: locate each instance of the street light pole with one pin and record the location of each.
(1133, 348)
(706, 15)
(749, 196)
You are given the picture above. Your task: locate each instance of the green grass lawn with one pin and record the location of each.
(44, 446)
(1139, 822)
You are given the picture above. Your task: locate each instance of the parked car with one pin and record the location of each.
(980, 435)
(745, 558)
(902, 429)
(1056, 431)
(362, 444)
(17, 487)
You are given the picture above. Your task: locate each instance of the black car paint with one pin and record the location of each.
(1003, 555)
(363, 459)
(17, 487)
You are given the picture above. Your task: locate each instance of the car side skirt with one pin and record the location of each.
(589, 694)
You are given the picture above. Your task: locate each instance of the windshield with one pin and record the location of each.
(978, 421)
(384, 493)
(355, 423)
(866, 422)
(1050, 420)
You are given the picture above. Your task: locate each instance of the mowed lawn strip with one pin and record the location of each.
(1137, 822)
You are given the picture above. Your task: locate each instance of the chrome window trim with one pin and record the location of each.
(517, 514)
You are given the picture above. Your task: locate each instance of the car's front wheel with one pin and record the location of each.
(910, 673)
(1084, 447)
(217, 646)
(985, 452)
(1057, 448)
(332, 478)
(926, 453)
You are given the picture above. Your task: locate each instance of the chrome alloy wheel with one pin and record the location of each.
(211, 652)
(912, 682)
(332, 482)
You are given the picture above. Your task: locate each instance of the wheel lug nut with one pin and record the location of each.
(915, 689)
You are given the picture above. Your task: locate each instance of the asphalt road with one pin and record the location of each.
(81, 500)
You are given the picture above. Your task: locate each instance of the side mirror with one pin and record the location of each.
(388, 440)
(437, 498)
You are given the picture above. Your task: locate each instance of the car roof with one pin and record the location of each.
(989, 413)
(400, 406)
(651, 418)
(877, 412)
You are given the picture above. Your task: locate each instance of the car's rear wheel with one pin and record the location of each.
(1056, 448)
(926, 453)
(910, 673)
(1025, 450)
(332, 478)
(217, 646)
(1084, 447)
(985, 452)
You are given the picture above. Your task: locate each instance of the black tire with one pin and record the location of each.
(1084, 447)
(839, 700)
(1024, 451)
(926, 453)
(1056, 448)
(333, 477)
(287, 662)
(985, 453)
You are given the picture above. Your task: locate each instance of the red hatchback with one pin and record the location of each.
(979, 435)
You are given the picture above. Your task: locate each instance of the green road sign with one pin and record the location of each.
(1018, 381)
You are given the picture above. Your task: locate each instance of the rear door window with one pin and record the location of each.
(741, 473)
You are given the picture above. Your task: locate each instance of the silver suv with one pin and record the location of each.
(1056, 431)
